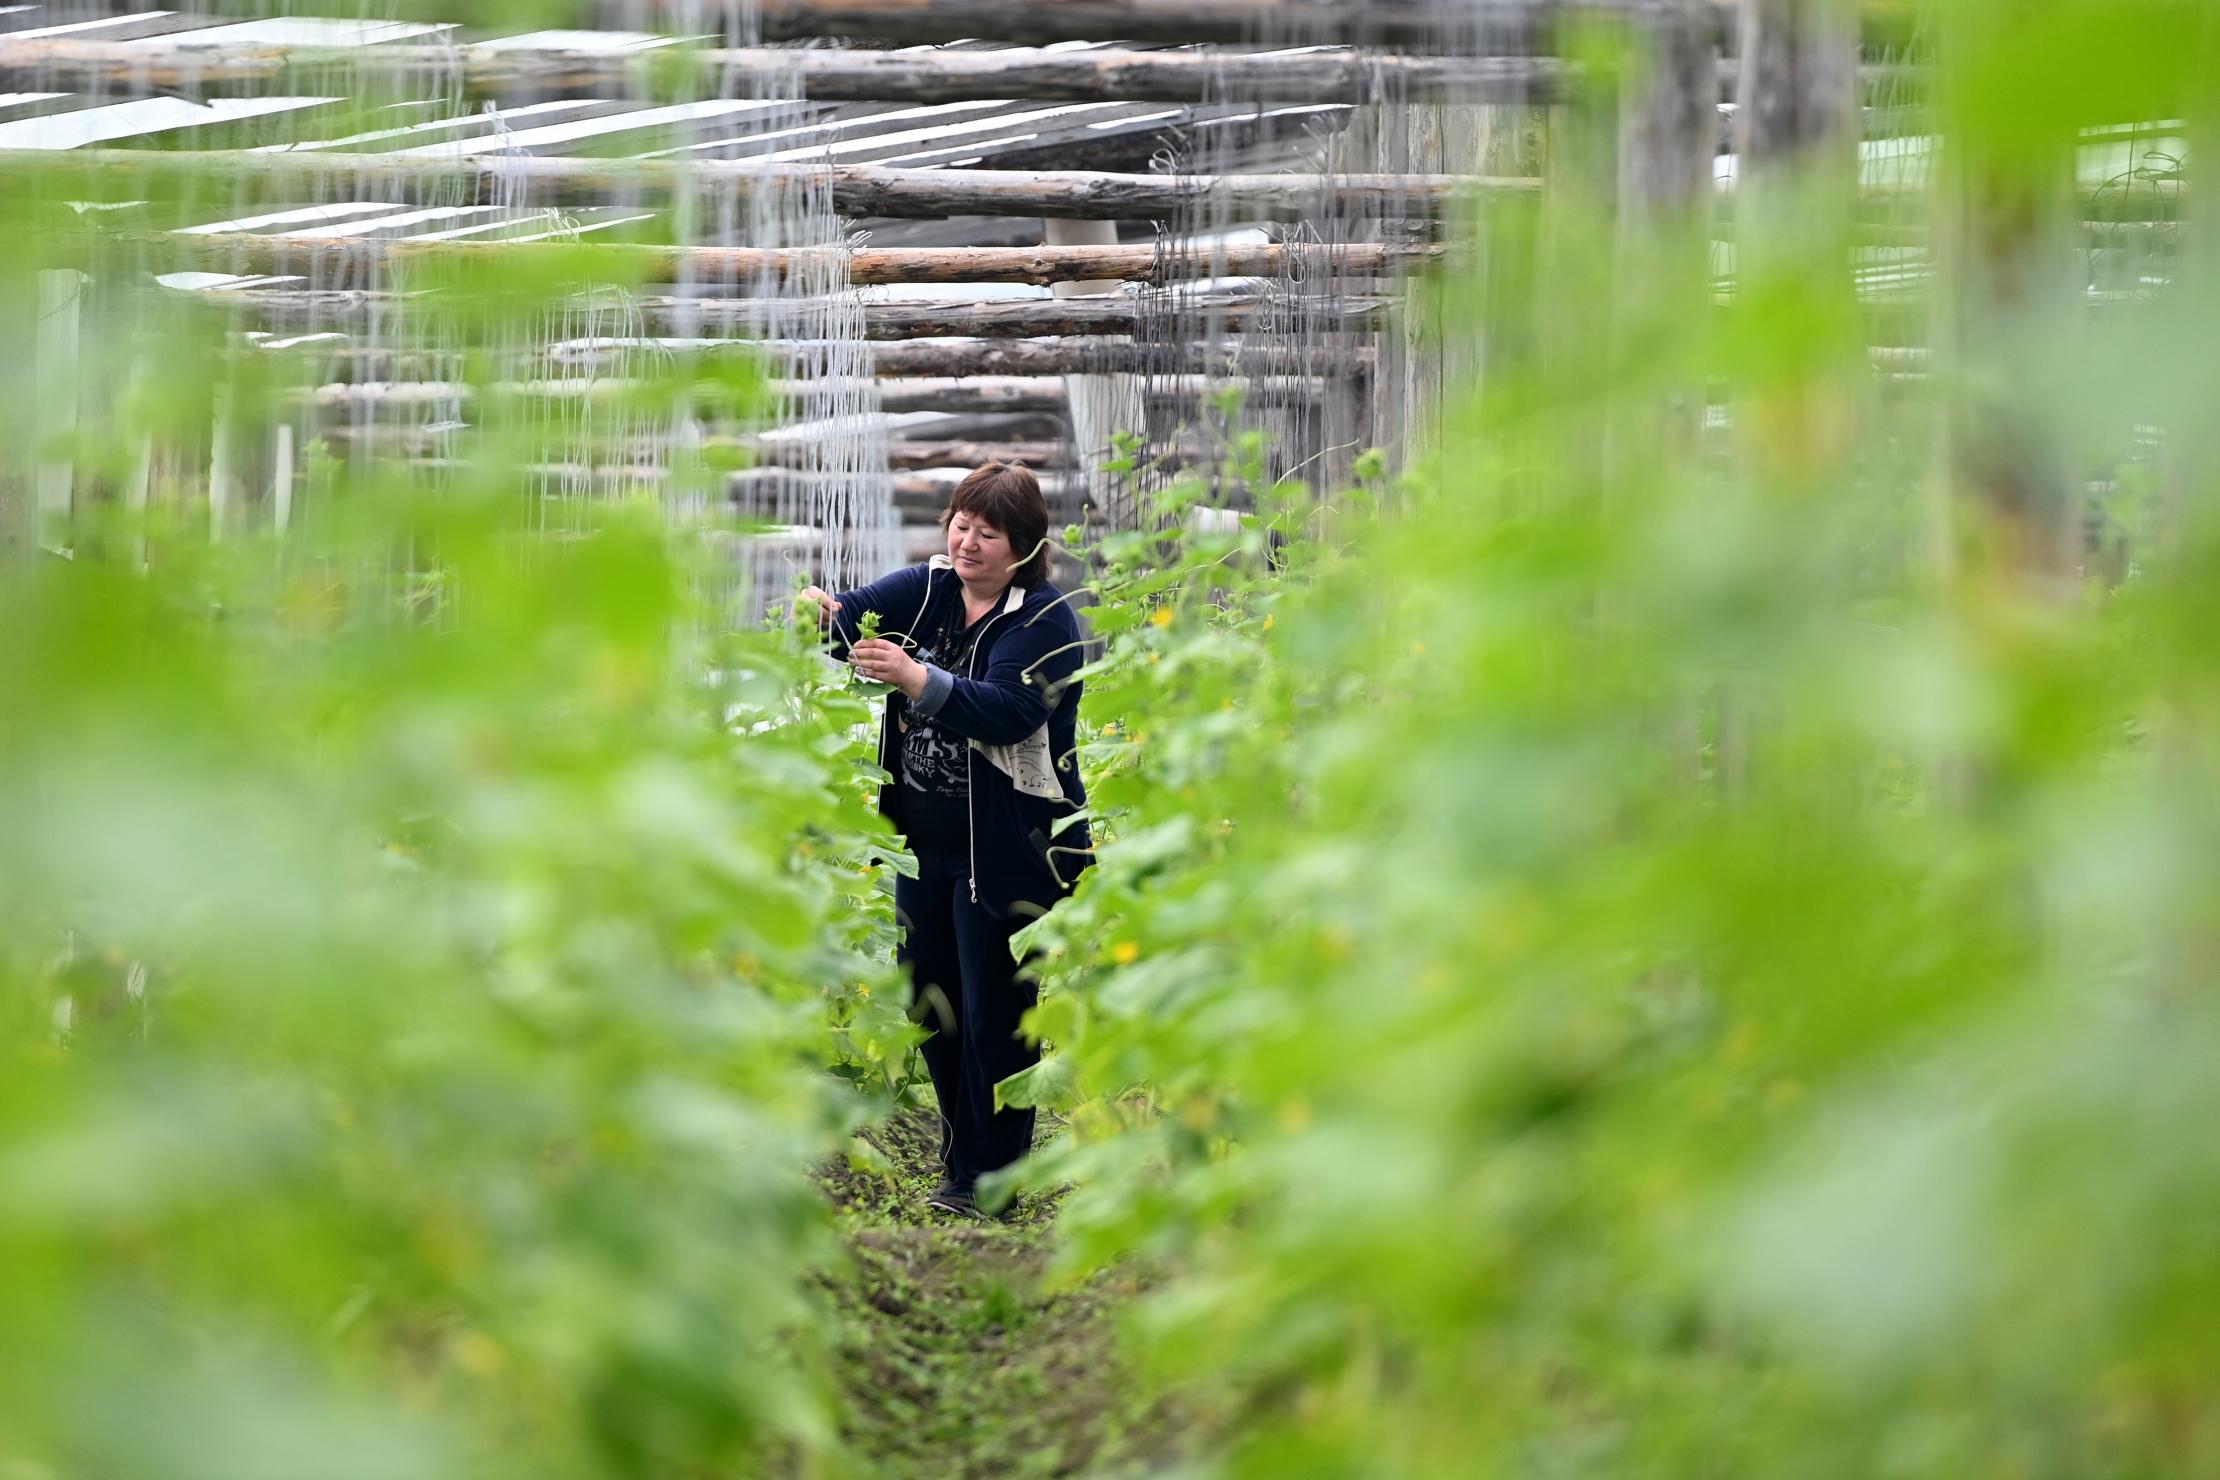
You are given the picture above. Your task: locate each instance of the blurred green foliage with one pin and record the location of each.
(1644, 946)
(426, 942)
(1681, 949)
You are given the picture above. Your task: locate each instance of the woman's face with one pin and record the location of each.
(981, 552)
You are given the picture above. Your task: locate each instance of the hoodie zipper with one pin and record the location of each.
(971, 818)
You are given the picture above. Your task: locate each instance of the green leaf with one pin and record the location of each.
(1051, 1084)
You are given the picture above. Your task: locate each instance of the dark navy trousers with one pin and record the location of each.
(968, 995)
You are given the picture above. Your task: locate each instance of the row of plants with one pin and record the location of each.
(426, 944)
(1662, 950)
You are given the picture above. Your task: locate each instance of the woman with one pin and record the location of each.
(978, 737)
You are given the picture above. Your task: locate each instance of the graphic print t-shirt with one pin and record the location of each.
(933, 760)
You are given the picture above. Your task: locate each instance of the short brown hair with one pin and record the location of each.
(1008, 496)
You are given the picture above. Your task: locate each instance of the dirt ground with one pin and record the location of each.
(955, 1360)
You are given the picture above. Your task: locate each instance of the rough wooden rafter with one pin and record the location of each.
(296, 310)
(854, 190)
(989, 394)
(1108, 75)
(1165, 262)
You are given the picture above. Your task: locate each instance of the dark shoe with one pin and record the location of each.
(952, 1197)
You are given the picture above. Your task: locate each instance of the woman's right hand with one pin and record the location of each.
(827, 608)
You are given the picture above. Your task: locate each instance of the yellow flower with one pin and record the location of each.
(1125, 953)
(1161, 617)
(1267, 622)
(479, 1354)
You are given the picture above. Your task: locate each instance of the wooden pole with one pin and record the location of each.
(60, 294)
(118, 69)
(993, 318)
(1441, 349)
(1041, 395)
(175, 64)
(1508, 27)
(855, 190)
(1102, 405)
(1001, 393)
(2014, 298)
(1654, 171)
(2191, 467)
(1669, 121)
(1512, 25)
(1075, 355)
(137, 486)
(223, 477)
(1796, 138)
(1798, 76)
(246, 252)
(1667, 139)
(281, 477)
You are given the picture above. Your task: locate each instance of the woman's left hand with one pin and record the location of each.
(877, 658)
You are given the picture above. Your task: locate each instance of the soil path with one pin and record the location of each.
(956, 1361)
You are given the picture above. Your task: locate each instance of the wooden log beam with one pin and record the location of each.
(1020, 393)
(910, 492)
(1056, 455)
(794, 450)
(1001, 395)
(1076, 355)
(916, 495)
(855, 190)
(175, 64)
(319, 309)
(171, 64)
(921, 499)
(1082, 355)
(907, 456)
(969, 430)
(451, 439)
(1499, 27)
(1521, 25)
(970, 395)
(246, 252)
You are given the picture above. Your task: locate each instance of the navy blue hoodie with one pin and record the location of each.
(1017, 703)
